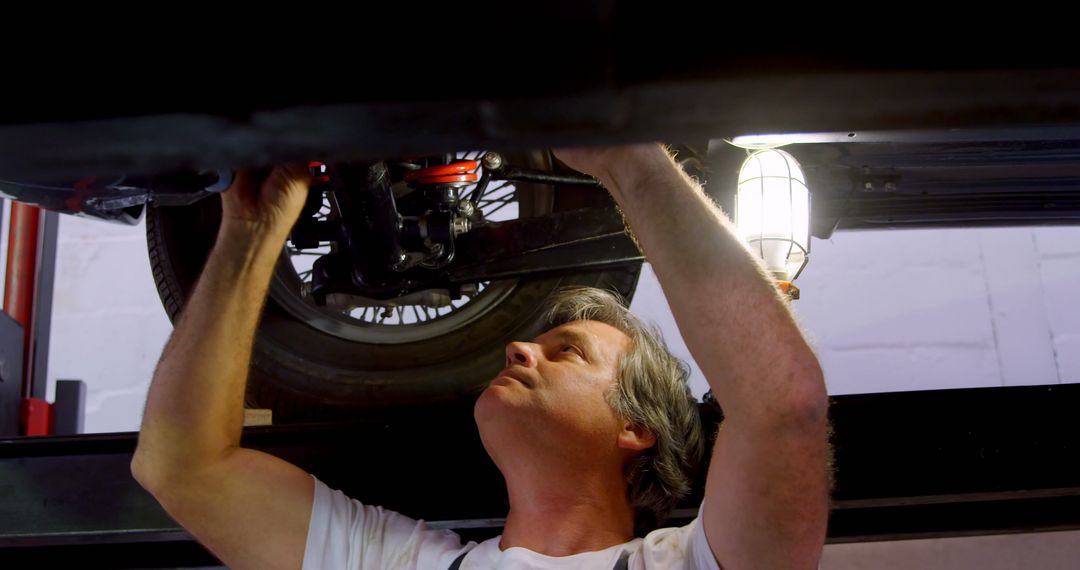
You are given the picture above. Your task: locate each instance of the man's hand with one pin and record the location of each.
(600, 162)
(267, 201)
(593, 161)
(614, 166)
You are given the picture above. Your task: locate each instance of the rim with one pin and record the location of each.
(424, 315)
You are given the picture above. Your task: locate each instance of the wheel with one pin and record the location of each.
(317, 363)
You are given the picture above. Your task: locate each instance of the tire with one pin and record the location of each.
(304, 373)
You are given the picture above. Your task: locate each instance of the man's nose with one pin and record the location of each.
(521, 353)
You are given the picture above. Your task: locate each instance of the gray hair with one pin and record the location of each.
(651, 392)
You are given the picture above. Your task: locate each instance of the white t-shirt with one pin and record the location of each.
(347, 535)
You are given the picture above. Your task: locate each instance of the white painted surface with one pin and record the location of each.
(886, 311)
(927, 309)
(108, 324)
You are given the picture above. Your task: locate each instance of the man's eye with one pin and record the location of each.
(573, 349)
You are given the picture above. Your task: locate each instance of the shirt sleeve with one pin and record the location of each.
(700, 555)
(677, 547)
(348, 535)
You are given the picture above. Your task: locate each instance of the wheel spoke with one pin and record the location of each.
(501, 206)
(497, 201)
(491, 191)
(496, 196)
(499, 198)
(493, 203)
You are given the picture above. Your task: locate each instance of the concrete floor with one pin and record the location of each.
(1035, 551)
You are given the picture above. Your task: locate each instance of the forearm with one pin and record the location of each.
(194, 411)
(736, 325)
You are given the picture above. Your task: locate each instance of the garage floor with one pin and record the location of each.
(1044, 551)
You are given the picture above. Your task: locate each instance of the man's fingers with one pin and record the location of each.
(298, 171)
(243, 179)
(248, 180)
(289, 177)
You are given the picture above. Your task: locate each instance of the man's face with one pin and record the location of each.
(554, 390)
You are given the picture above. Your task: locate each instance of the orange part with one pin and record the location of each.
(464, 168)
(468, 178)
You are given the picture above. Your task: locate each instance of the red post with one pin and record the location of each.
(20, 286)
(35, 417)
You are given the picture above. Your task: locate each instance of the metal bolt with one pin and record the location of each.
(466, 208)
(460, 226)
(492, 160)
(868, 187)
(890, 187)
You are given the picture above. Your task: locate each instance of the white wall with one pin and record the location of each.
(108, 324)
(929, 309)
(922, 309)
(886, 310)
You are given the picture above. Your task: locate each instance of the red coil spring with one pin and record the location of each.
(456, 172)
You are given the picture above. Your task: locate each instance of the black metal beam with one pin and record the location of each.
(918, 464)
(881, 211)
(563, 242)
(956, 462)
(44, 281)
(716, 102)
(918, 179)
(11, 363)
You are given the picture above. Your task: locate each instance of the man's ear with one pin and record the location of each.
(635, 437)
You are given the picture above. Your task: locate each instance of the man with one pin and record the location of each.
(584, 422)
